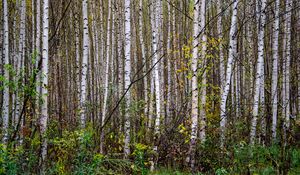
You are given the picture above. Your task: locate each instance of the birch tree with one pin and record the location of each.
(155, 8)
(127, 80)
(141, 38)
(259, 72)
(84, 63)
(44, 91)
(194, 84)
(38, 47)
(204, 81)
(286, 69)
(275, 70)
(230, 62)
(107, 63)
(5, 103)
(21, 53)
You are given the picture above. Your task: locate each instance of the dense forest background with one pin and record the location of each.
(150, 87)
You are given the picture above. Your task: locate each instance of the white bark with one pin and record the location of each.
(121, 38)
(194, 84)
(127, 73)
(262, 105)
(230, 62)
(145, 80)
(107, 63)
(44, 92)
(169, 81)
(77, 57)
(38, 47)
(274, 93)
(5, 105)
(155, 27)
(155, 42)
(204, 81)
(259, 72)
(21, 54)
(84, 63)
(287, 64)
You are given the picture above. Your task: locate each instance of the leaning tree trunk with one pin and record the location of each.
(230, 62)
(107, 63)
(259, 72)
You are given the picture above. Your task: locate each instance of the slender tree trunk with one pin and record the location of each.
(156, 70)
(141, 38)
(204, 81)
(44, 92)
(169, 73)
(220, 36)
(84, 65)
(33, 27)
(287, 62)
(127, 80)
(107, 63)
(21, 56)
(155, 27)
(230, 62)
(5, 104)
(274, 92)
(194, 84)
(259, 72)
(77, 57)
(38, 50)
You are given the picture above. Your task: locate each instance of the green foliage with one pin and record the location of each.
(74, 153)
(14, 160)
(221, 171)
(242, 158)
(139, 163)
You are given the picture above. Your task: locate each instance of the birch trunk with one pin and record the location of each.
(145, 81)
(230, 62)
(5, 104)
(287, 66)
(274, 93)
(44, 91)
(107, 63)
(286, 70)
(169, 81)
(194, 85)
(155, 27)
(38, 50)
(156, 70)
(127, 80)
(259, 72)
(204, 81)
(21, 56)
(84, 63)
